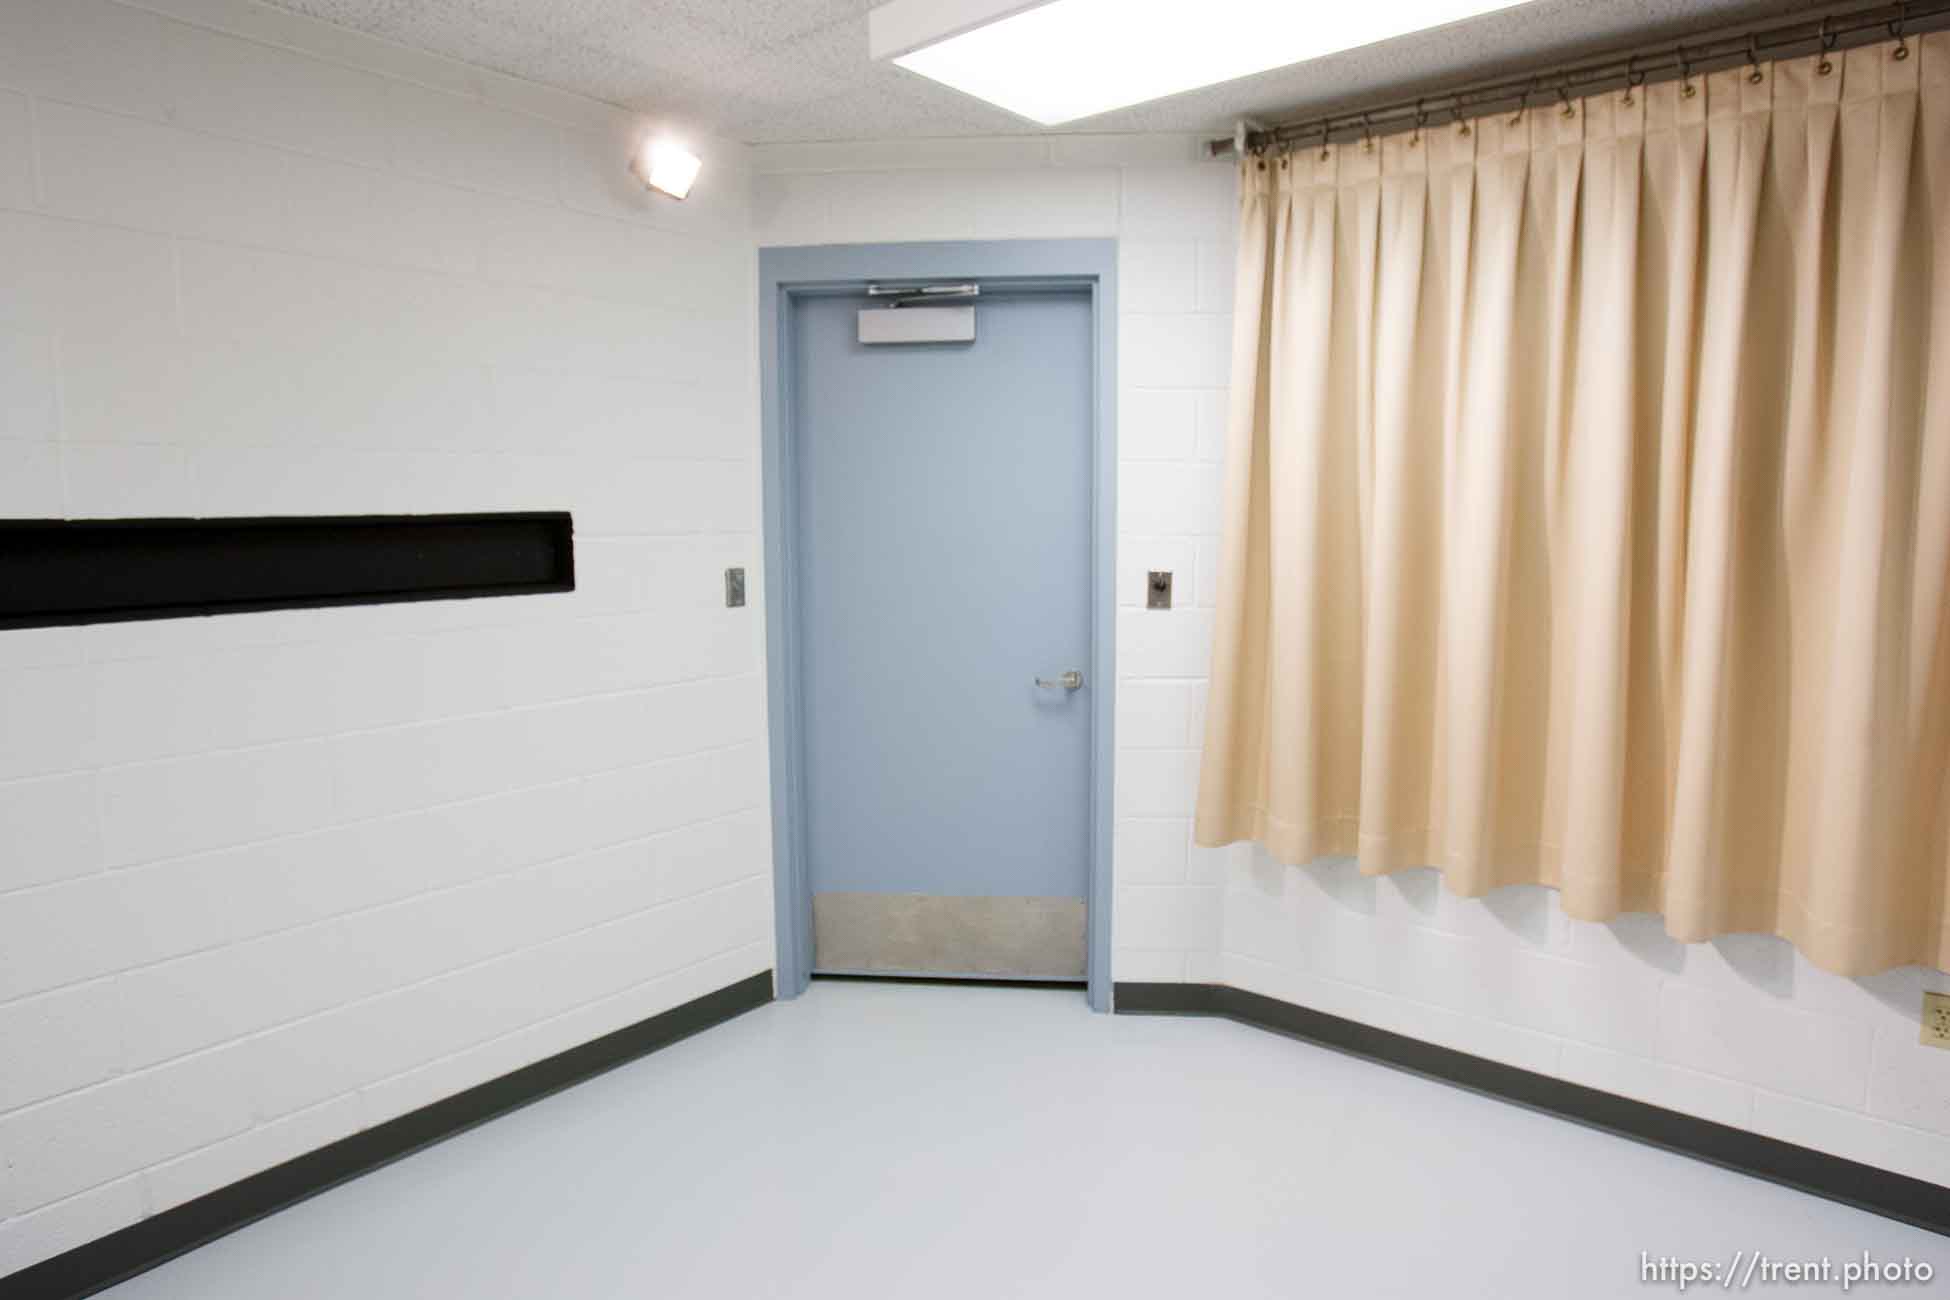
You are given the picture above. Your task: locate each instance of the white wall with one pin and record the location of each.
(1742, 1030)
(269, 878)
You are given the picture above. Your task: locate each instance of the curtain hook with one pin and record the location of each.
(1367, 134)
(1421, 120)
(1326, 129)
(1686, 86)
(1633, 79)
(1564, 98)
(1754, 74)
(1462, 123)
(1901, 51)
(1828, 41)
(1523, 103)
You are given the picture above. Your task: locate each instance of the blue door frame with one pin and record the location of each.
(786, 273)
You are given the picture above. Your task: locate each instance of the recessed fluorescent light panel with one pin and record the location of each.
(1065, 59)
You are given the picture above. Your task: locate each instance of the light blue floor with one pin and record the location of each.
(923, 1141)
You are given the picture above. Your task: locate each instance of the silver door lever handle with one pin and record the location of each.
(1069, 681)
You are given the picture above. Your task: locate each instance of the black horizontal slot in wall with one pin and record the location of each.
(56, 572)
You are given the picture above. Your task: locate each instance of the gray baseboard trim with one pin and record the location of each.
(1879, 1191)
(96, 1265)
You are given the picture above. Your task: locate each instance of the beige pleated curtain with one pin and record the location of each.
(1587, 506)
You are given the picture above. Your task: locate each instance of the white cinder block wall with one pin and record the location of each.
(269, 878)
(1743, 1030)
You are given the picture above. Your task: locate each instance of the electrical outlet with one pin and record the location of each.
(1936, 1020)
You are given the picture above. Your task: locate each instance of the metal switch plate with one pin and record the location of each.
(734, 588)
(1157, 589)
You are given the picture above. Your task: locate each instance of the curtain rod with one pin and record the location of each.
(1667, 61)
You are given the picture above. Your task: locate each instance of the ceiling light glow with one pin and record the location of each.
(1068, 59)
(668, 167)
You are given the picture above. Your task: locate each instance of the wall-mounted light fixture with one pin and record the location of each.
(667, 167)
(1057, 60)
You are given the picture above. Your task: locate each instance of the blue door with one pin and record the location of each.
(943, 502)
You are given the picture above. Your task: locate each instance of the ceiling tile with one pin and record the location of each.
(764, 70)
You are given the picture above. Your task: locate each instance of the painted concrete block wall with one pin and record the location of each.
(1174, 220)
(1743, 1030)
(270, 878)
